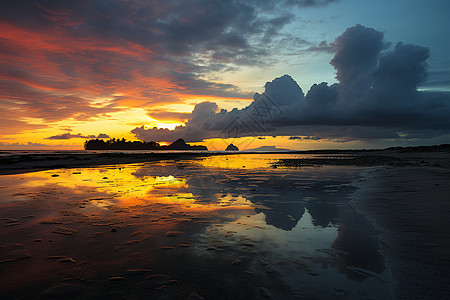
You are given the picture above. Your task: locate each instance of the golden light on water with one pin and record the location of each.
(122, 185)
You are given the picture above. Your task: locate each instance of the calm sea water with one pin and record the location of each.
(222, 227)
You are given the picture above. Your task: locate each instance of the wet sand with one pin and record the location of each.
(406, 197)
(226, 228)
(16, 164)
(410, 206)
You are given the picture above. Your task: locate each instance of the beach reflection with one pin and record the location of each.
(221, 227)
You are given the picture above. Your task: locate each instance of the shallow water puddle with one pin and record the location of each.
(209, 227)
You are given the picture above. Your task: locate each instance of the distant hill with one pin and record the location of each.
(435, 148)
(267, 149)
(122, 144)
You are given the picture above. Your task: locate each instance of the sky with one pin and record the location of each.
(296, 74)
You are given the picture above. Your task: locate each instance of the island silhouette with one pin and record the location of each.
(232, 147)
(123, 144)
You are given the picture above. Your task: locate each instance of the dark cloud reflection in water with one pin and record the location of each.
(208, 226)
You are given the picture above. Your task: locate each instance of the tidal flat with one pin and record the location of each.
(242, 226)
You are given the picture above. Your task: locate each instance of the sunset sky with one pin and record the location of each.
(163, 70)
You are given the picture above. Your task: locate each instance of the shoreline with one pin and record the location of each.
(409, 207)
(18, 164)
(30, 162)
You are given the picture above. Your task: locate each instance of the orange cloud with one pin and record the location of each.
(79, 62)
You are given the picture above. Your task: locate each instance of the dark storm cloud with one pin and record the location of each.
(357, 53)
(68, 136)
(376, 98)
(402, 69)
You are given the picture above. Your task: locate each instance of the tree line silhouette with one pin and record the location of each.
(123, 144)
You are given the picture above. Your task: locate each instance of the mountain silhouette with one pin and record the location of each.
(268, 149)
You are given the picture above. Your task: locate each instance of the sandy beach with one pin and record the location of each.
(213, 226)
(410, 207)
